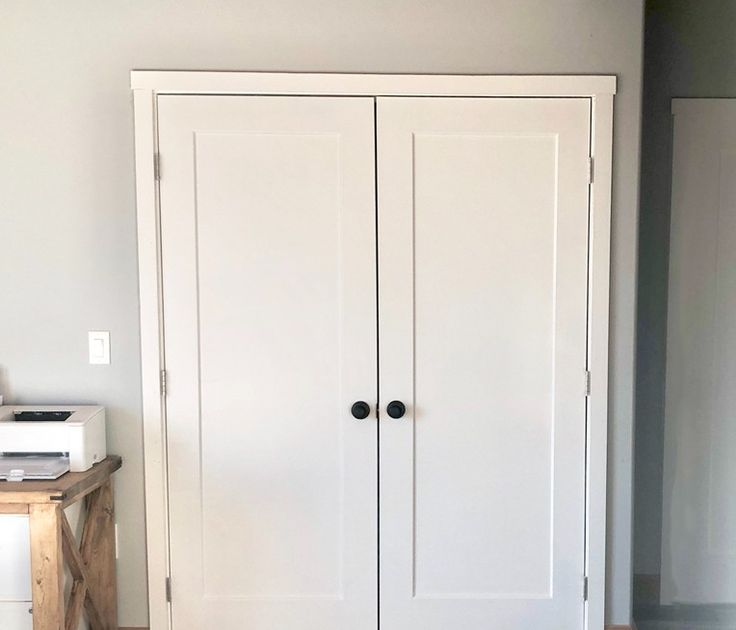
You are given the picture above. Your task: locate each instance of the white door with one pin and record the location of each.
(269, 268)
(483, 218)
(699, 502)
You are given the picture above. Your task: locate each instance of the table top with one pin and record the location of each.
(65, 490)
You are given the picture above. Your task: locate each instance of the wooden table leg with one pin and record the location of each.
(47, 566)
(98, 553)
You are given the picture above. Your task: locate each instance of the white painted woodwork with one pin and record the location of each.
(167, 494)
(483, 246)
(599, 280)
(699, 505)
(151, 323)
(268, 258)
(341, 83)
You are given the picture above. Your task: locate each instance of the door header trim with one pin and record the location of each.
(338, 84)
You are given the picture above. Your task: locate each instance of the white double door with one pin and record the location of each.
(319, 251)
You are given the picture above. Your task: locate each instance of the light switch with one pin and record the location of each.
(99, 347)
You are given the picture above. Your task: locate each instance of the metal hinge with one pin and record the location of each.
(585, 588)
(168, 589)
(163, 382)
(587, 383)
(591, 170)
(157, 166)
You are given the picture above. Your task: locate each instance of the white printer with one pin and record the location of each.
(73, 432)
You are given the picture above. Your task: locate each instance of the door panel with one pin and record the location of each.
(699, 477)
(267, 224)
(483, 217)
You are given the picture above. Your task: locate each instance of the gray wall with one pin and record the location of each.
(67, 211)
(690, 51)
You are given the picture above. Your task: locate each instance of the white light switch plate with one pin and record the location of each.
(99, 347)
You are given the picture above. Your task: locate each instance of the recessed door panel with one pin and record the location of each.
(483, 217)
(699, 477)
(490, 342)
(268, 223)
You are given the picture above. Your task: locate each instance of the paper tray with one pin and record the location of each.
(32, 467)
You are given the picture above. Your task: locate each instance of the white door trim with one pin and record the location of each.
(185, 82)
(148, 84)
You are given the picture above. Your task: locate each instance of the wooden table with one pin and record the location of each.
(91, 563)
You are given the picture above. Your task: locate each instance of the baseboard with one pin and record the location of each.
(631, 627)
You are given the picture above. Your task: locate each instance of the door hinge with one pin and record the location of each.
(587, 383)
(168, 589)
(157, 166)
(163, 382)
(591, 170)
(585, 588)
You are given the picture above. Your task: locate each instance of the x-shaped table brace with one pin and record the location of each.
(89, 594)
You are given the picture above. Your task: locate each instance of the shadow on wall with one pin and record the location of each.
(5, 393)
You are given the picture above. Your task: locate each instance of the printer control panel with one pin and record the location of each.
(41, 416)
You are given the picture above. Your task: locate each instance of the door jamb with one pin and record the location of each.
(147, 85)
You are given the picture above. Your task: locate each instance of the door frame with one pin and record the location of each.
(147, 85)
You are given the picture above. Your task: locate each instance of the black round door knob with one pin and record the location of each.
(360, 410)
(396, 409)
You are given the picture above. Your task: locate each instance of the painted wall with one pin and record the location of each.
(67, 211)
(690, 51)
